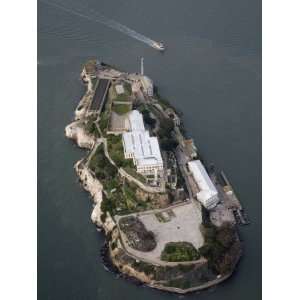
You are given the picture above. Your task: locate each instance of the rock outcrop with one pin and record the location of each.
(76, 132)
(94, 187)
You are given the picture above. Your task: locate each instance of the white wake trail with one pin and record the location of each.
(105, 21)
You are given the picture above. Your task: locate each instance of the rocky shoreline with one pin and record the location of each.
(114, 257)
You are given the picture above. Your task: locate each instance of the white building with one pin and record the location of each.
(141, 147)
(134, 121)
(147, 84)
(119, 89)
(208, 194)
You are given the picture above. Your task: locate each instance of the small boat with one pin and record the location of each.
(158, 46)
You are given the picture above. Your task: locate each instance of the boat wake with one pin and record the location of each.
(93, 16)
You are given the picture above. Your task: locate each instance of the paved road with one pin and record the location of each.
(181, 160)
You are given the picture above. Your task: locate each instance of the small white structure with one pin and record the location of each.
(119, 89)
(147, 84)
(208, 194)
(136, 86)
(141, 147)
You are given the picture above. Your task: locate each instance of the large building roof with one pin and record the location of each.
(144, 148)
(136, 122)
(204, 183)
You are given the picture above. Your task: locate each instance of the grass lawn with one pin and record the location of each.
(121, 109)
(126, 95)
(179, 251)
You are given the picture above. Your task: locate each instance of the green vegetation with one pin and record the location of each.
(180, 276)
(121, 109)
(95, 82)
(180, 283)
(141, 266)
(167, 141)
(133, 203)
(103, 122)
(127, 88)
(130, 197)
(122, 199)
(91, 128)
(125, 97)
(147, 118)
(168, 144)
(116, 152)
(179, 251)
(120, 195)
(106, 206)
(131, 171)
(166, 127)
(113, 245)
(102, 167)
(112, 185)
(221, 248)
(190, 276)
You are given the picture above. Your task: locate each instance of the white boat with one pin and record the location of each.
(158, 46)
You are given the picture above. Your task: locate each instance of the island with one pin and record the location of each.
(170, 220)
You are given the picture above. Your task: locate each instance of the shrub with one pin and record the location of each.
(91, 128)
(107, 205)
(221, 247)
(103, 122)
(101, 166)
(179, 251)
(166, 128)
(168, 144)
(147, 118)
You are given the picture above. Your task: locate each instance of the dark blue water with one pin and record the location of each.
(211, 71)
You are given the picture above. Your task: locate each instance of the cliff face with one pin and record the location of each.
(76, 132)
(124, 263)
(95, 188)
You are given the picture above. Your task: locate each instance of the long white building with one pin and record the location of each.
(208, 194)
(141, 147)
(134, 121)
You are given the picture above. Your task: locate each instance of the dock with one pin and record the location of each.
(232, 201)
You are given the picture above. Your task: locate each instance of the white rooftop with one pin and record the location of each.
(136, 122)
(206, 186)
(145, 149)
(146, 80)
(119, 89)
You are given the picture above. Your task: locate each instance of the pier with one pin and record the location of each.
(232, 201)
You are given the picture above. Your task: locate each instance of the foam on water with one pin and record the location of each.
(98, 18)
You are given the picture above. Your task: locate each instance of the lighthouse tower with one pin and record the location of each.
(142, 66)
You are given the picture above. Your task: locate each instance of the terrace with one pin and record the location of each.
(179, 223)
